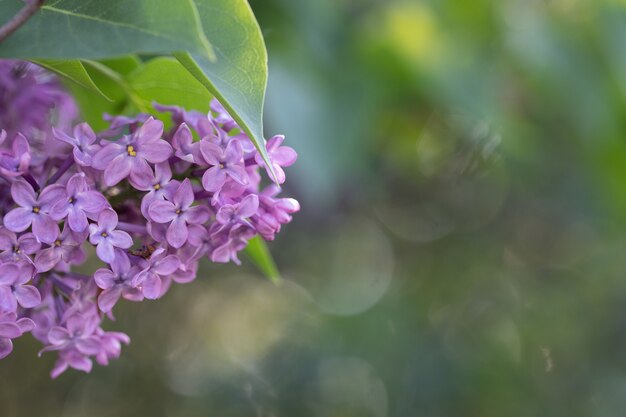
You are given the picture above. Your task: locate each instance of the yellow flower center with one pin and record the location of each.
(36, 209)
(131, 150)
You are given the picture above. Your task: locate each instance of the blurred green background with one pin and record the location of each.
(461, 247)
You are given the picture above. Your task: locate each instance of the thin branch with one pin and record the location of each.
(29, 9)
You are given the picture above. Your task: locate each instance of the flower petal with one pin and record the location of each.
(23, 194)
(50, 195)
(27, 296)
(92, 201)
(45, 229)
(167, 265)
(183, 197)
(104, 278)
(120, 239)
(177, 233)
(47, 259)
(107, 154)
(108, 298)
(107, 220)
(213, 179)
(197, 214)
(8, 303)
(10, 330)
(152, 286)
(88, 345)
(105, 251)
(155, 152)
(117, 170)
(162, 211)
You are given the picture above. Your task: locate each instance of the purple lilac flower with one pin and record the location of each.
(222, 116)
(158, 186)
(28, 95)
(67, 248)
(83, 143)
(16, 162)
(178, 213)
(106, 238)
(116, 283)
(232, 243)
(34, 210)
(184, 146)
(133, 154)
(280, 156)
(230, 214)
(77, 334)
(13, 288)
(10, 328)
(110, 345)
(155, 270)
(17, 250)
(226, 163)
(78, 203)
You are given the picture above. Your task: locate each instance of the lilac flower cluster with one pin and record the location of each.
(152, 203)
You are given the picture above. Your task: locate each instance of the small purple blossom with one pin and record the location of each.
(67, 248)
(157, 185)
(17, 250)
(78, 203)
(133, 154)
(10, 328)
(226, 163)
(116, 283)
(83, 143)
(16, 162)
(280, 156)
(14, 290)
(34, 210)
(106, 238)
(178, 213)
(155, 270)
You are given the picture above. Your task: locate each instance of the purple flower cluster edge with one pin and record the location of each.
(151, 202)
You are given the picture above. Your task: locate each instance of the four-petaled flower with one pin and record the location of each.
(158, 186)
(116, 283)
(131, 155)
(83, 143)
(34, 210)
(78, 203)
(158, 267)
(226, 164)
(66, 247)
(78, 334)
(10, 328)
(13, 288)
(16, 249)
(179, 213)
(106, 238)
(230, 214)
(280, 156)
(15, 163)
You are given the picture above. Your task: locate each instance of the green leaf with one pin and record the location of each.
(260, 255)
(72, 70)
(238, 75)
(93, 105)
(122, 65)
(65, 29)
(166, 81)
